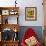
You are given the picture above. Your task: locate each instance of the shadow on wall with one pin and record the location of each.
(37, 29)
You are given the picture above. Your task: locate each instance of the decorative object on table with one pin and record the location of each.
(31, 13)
(15, 3)
(7, 34)
(30, 38)
(15, 37)
(13, 12)
(15, 34)
(6, 21)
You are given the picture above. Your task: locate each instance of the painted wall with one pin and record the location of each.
(37, 29)
(26, 3)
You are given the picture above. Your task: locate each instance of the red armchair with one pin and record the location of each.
(30, 38)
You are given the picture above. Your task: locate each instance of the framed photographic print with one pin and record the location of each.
(31, 13)
(5, 12)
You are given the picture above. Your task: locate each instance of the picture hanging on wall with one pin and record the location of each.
(31, 13)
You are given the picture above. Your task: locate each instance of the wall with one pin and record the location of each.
(30, 3)
(37, 30)
(26, 3)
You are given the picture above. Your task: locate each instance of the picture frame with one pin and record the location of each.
(31, 13)
(5, 12)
